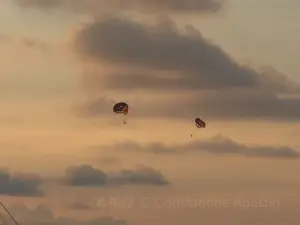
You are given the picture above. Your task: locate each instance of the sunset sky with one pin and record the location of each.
(233, 63)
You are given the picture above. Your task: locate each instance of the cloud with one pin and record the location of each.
(233, 104)
(163, 48)
(19, 184)
(192, 61)
(44, 215)
(88, 176)
(218, 145)
(85, 175)
(139, 5)
(141, 176)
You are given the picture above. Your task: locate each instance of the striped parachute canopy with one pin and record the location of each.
(121, 107)
(200, 123)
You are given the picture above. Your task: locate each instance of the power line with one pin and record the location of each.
(3, 218)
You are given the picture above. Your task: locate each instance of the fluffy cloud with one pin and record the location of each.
(140, 5)
(219, 145)
(88, 176)
(163, 48)
(19, 184)
(192, 61)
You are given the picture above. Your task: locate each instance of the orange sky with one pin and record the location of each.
(45, 82)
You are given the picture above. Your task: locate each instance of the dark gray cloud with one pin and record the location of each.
(140, 5)
(44, 215)
(232, 104)
(141, 176)
(192, 61)
(87, 175)
(267, 79)
(163, 47)
(219, 145)
(19, 184)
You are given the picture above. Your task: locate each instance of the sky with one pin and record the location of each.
(68, 159)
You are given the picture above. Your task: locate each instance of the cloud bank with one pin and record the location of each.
(138, 5)
(88, 176)
(19, 184)
(218, 145)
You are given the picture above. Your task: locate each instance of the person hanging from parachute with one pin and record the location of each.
(199, 124)
(121, 108)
